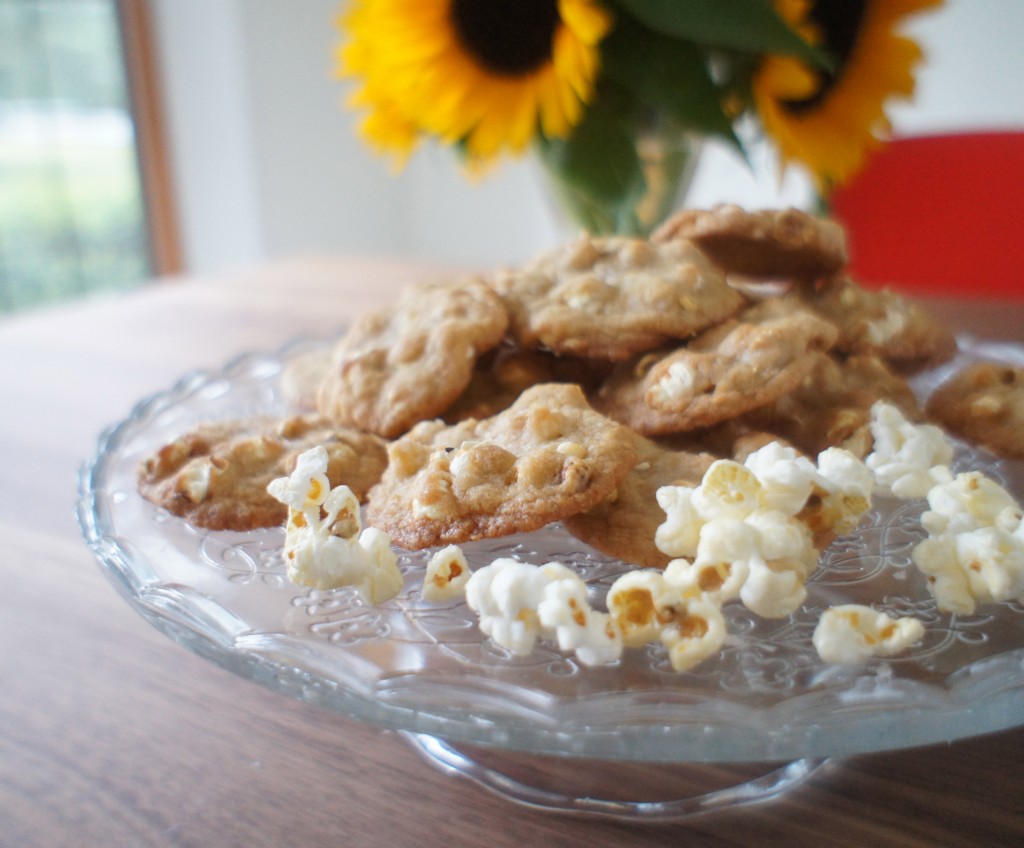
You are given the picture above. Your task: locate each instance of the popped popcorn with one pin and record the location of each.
(565, 612)
(728, 490)
(641, 603)
(446, 575)
(695, 635)
(841, 495)
(648, 605)
(731, 539)
(969, 501)
(850, 634)
(505, 595)
(325, 545)
(786, 476)
(975, 550)
(907, 458)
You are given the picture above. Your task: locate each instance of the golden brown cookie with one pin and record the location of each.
(881, 323)
(832, 405)
(399, 366)
(216, 476)
(504, 373)
(302, 376)
(546, 457)
(610, 298)
(623, 525)
(740, 365)
(984, 404)
(783, 244)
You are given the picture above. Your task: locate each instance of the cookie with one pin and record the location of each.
(398, 366)
(504, 373)
(881, 323)
(216, 476)
(623, 526)
(610, 298)
(832, 405)
(302, 376)
(740, 365)
(984, 404)
(782, 244)
(546, 457)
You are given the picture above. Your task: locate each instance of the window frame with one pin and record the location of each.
(141, 68)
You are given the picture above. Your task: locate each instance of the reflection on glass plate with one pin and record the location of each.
(425, 668)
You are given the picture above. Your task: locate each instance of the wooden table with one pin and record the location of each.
(112, 735)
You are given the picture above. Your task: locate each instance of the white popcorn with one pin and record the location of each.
(907, 458)
(764, 560)
(307, 487)
(947, 582)
(728, 490)
(786, 476)
(993, 561)
(565, 613)
(975, 550)
(727, 545)
(781, 538)
(694, 635)
(383, 579)
(505, 595)
(969, 501)
(715, 582)
(843, 472)
(851, 634)
(773, 589)
(735, 534)
(446, 575)
(679, 534)
(842, 493)
(642, 602)
(325, 546)
(648, 605)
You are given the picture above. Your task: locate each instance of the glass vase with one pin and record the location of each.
(668, 159)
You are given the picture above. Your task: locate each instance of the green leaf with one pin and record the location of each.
(751, 26)
(673, 78)
(596, 170)
(599, 156)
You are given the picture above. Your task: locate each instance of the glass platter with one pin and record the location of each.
(425, 668)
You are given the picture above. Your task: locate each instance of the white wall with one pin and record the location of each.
(267, 164)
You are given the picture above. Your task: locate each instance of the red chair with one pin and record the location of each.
(940, 215)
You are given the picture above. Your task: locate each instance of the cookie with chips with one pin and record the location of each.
(880, 323)
(832, 405)
(216, 475)
(402, 365)
(747, 362)
(984, 404)
(776, 244)
(610, 298)
(546, 457)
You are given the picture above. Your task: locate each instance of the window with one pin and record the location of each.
(73, 209)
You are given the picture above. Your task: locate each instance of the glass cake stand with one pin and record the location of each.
(424, 669)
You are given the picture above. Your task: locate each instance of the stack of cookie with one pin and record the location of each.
(571, 389)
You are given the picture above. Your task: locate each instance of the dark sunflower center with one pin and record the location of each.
(507, 37)
(840, 23)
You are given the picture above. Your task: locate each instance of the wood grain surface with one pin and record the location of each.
(112, 735)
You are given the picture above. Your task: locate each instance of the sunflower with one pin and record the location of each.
(485, 74)
(830, 121)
